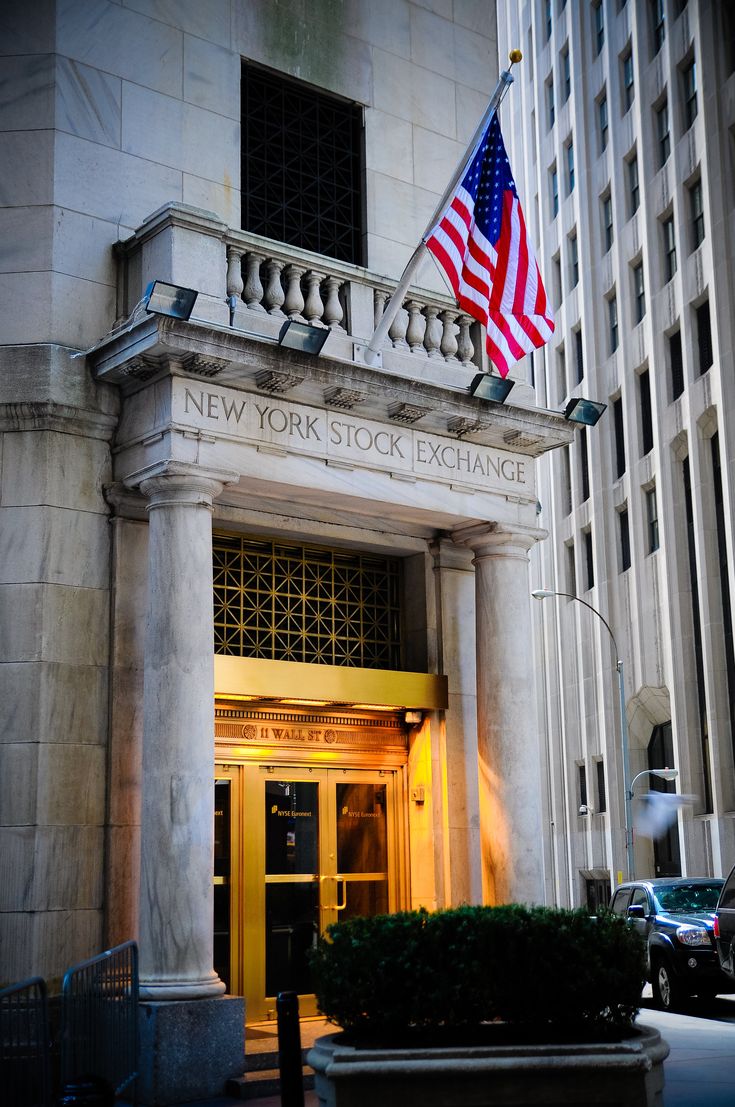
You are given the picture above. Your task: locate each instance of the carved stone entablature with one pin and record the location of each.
(271, 381)
(204, 365)
(344, 398)
(143, 367)
(460, 425)
(407, 413)
(519, 440)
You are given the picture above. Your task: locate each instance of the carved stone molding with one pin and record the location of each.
(143, 367)
(344, 398)
(407, 413)
(460, 425)
(271, 381)
(203, 365)
(520, 440)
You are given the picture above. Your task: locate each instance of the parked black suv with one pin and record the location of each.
(725, 927)
(676, 917)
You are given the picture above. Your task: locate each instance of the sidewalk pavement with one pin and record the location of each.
(699, 1071)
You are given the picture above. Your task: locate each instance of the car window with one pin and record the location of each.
(681, 898)
(727, 900)
(620, 900)
(640, 896)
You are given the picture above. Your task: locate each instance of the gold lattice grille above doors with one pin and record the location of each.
(295, 603)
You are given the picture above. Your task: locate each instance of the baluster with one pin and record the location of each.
(449, 335)
(433, 332)
(465, 348)
(235, 283)
(294, 303)
(379, 299)
(313, 308)
(253, 291)
(398, 328)
(333, 312)
(274, 294)
(416, 326)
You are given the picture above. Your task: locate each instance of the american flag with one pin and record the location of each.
(481, 243)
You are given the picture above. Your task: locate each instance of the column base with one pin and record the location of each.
(205, 988)
(189, 1049)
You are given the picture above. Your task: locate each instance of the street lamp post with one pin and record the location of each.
(546, 593)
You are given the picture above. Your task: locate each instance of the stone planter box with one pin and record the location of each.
(628, 1073)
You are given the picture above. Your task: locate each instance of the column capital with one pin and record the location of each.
(180, 482)
(498, 539)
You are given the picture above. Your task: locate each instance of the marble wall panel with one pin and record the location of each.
(54, 308)
(207, 19)
(47, 373)
(164, 129)
(398, 211)
(475, 59)
(47, 943)
(26, 92)
(435, 158)
(54, 623)
(222, 199)
(476, 15)
(388, 145)
(111, 184)
(431, 41)
(34, 877)
(310, 43)
(121, 42)
(20, 701)
(471, 106)
(18, 783)
(212, 77)
(27, 161)
(54, 544)
(82, 246)
(61, 470)
(384, 23)
(411, 92)
(71, 784)
(53, 702)
(21, 630)
(439, 7)
(122, 884)
(26, 239)
(27, 28)
(88, 102)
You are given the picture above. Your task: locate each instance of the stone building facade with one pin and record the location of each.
(628, 173)
(264, 617)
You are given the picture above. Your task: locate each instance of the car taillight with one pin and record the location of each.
(716, 928)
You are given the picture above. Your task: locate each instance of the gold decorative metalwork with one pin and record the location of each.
(302, 603)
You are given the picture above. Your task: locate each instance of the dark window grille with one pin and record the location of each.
(676, 365)
(294, 603)
(619, 437)
(704, 337)
(302, 173)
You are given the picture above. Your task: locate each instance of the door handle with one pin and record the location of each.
(341, 906)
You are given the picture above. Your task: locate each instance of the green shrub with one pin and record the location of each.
(541, 970)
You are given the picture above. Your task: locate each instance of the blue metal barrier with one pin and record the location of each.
(25, 1045)
(99, 1019)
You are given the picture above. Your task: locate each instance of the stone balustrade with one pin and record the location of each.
(279, 281)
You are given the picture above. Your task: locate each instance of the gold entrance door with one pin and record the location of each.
(319, 845)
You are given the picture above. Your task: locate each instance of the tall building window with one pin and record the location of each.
(652, 519)
(571, 570)
(704, 337)
(607, 221)
(302, 177)
(554, 190)
(579, 354)
(602, 121)
(696, 209)
(550, 104)
(582, 777)
(697, 637)
(628, 80)
(624, 534)
(644, 396)
(561, 373)
(669, 248)
(600, 774)
(619, 427)
(639, 292)
(689, 84)
(573, 261)
(724, 581)
(658, 17)
(548, 18)
(589, 559)
(634, 190)
(566, 75)
(557, 287)
(663, 133)
(612, 320)
(598, 28)
(566, 477)
(676, 365)
(584, 464)
(570, 167)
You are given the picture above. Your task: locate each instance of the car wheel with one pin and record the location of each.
(667, 993)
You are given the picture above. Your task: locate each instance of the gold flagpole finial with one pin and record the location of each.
(515, 56)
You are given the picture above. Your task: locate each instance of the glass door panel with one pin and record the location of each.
(222, 875)
(361, 827)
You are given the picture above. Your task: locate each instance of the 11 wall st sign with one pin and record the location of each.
(340, 436)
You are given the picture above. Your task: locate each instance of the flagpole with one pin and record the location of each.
(370, 354)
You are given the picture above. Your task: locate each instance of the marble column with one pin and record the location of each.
(177, 827)
(509, 767)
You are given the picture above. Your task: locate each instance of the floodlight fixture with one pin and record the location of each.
(486, 386)
(583, 411)
(303, 336)
(169, 299)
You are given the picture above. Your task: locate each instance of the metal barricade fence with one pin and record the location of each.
(99, 1019)
(25, 1045)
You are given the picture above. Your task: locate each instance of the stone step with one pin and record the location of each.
(267, 1060)
(259, 1083)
